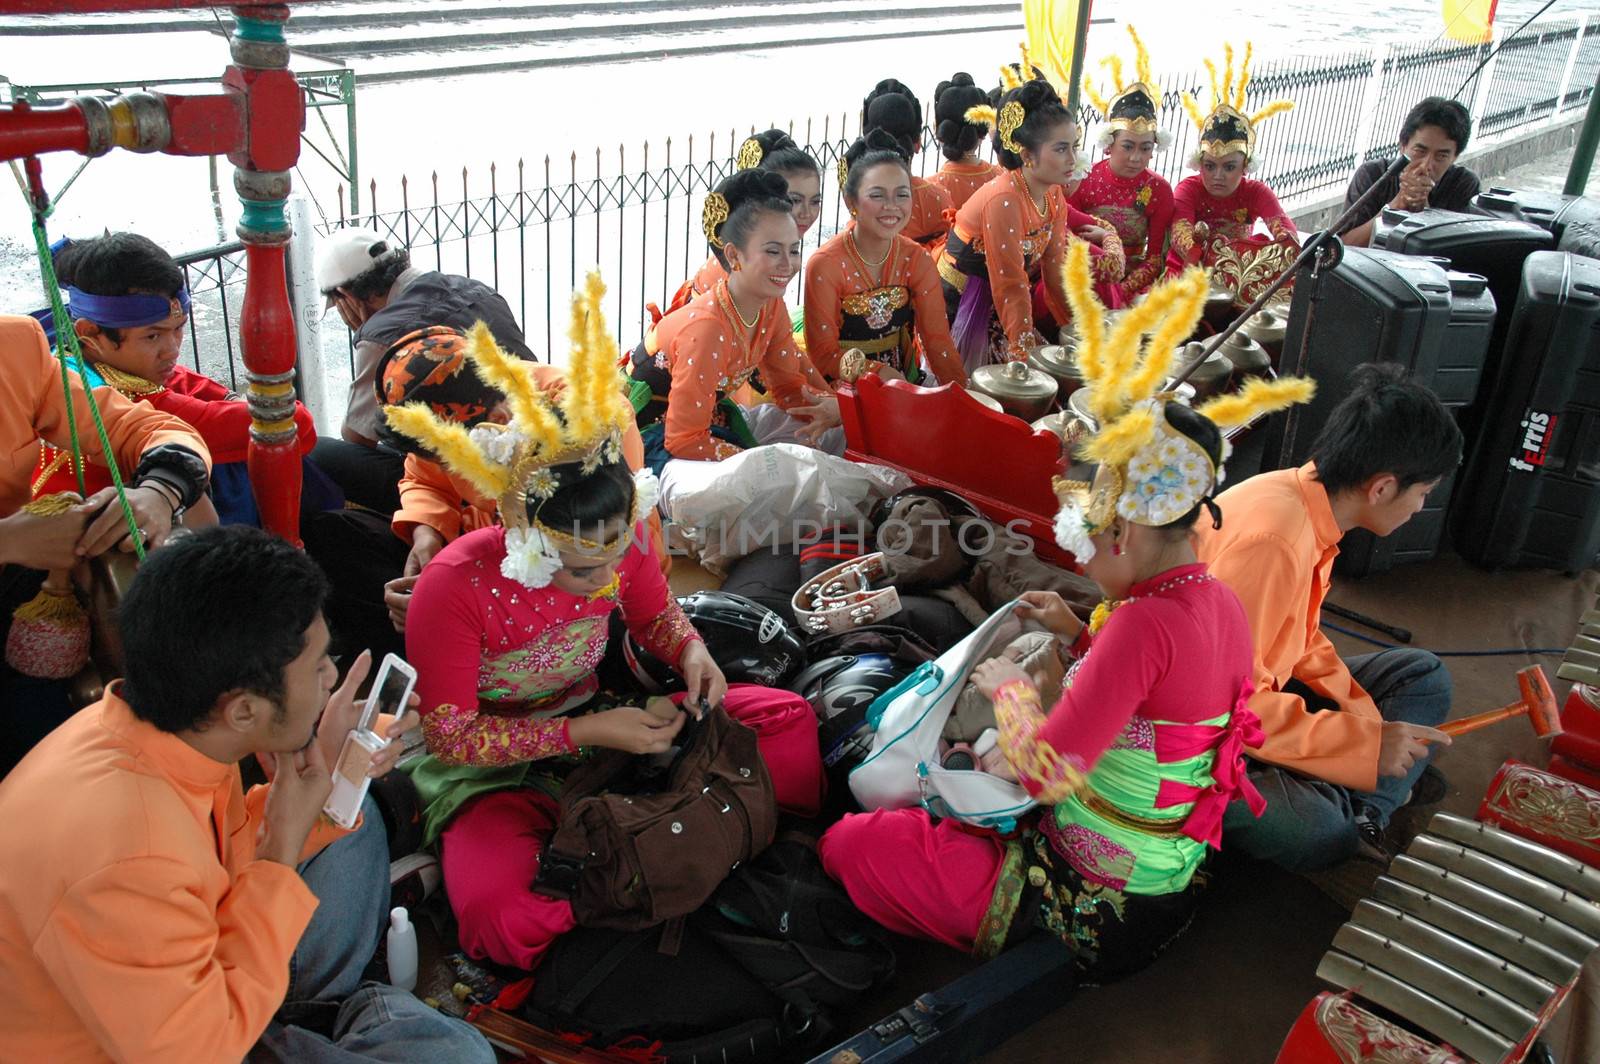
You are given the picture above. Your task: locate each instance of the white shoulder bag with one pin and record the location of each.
(903, 767)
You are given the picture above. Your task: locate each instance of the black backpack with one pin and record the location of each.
(798, 933)
(752, 976)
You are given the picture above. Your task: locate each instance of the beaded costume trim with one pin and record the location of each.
(460, 736)
(1047, 773)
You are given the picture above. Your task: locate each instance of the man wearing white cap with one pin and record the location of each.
(381, 296)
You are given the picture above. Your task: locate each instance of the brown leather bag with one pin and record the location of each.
(636, 847)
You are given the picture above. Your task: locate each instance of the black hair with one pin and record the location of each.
(750, 194)
(119, 264)
(781, 155)
(583, 502)
(893, 108)
(874, 149)
(1203, 431)
(377, 281)
(1387, 424)
(1448, 115)
(1043, 111)
(952, 100)
(221, 611)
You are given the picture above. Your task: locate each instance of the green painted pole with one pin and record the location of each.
(1080, 45)
(1588, 141)
(347, 91)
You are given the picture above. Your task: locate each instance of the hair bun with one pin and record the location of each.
(1036, 93)
(889, 87)
(752, 184)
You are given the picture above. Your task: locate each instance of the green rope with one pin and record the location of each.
(67, 343)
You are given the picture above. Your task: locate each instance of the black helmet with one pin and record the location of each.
(749, 642)
(954, 504)
(840, 689)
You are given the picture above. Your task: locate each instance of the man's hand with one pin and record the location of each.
(707, 686)
(626, 728)
(1402, 745)
(343, 710)
(300, 787)
(425, 543)
(34, 541)
(397, 597)
(152, 513)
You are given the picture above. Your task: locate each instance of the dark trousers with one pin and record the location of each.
(368, 476)
(360, 553)
(1311, 823)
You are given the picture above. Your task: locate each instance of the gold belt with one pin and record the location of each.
(952, 276)
(1169, 827)
(877, 346)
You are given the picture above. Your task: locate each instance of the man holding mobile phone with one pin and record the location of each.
(128, 846)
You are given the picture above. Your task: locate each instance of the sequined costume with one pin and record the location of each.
(1139, 757)
(687, 366)
(962, 179)
(501, 669)
(1140, 209)
(703, 281)
(1229, 220)
(929, 205)
(845, 309)
(1004, 246)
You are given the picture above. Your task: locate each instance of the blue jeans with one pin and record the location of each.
(1311, 823)
(329, 1016)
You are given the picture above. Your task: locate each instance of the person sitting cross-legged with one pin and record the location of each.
(150, 908)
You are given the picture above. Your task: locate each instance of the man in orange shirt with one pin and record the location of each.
(1347, 741)
(152, 910)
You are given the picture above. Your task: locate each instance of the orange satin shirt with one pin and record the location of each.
(960, 180)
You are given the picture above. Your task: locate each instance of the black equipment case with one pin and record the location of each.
(1378, 306)
(1573, 221)
(1532, 491)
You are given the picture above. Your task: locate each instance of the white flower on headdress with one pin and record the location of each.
(497, 442)
(646, 493)
(541, 484)
(1072, 532)
(531, 559)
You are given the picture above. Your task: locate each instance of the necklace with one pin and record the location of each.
(1027, 186)
(731, 309)
(1102, 612)
(128, 384)
(866, 264)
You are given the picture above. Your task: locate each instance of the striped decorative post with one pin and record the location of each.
(274, 115)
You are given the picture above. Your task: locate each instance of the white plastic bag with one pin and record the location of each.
(769, 496)
(903, 767)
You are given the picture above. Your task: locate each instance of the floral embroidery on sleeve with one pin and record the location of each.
(1045, 772)
(1110, 265)
(460, 736)
(1183, 238)
(666, 634)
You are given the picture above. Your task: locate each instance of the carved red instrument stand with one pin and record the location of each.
(256, 122)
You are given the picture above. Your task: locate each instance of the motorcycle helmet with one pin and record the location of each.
(840, 689)
(954, 504)
(749, 642)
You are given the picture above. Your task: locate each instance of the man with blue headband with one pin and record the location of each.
(130, 308)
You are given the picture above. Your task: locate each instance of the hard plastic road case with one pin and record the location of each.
(1532, 491)
(1378, 306)
(1573, 221)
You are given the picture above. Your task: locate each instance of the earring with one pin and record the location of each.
(734, 266)
(1116, 548)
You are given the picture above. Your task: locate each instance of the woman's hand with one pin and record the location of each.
(821, 415)
(995, 673)
(707, 686)
(626, 728)
(1094, 234)
(1050, 610)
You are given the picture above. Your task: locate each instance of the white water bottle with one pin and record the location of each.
(402, 950)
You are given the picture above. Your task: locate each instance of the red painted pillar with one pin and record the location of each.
(274, 113)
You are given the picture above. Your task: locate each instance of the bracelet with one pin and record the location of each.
(174, 500)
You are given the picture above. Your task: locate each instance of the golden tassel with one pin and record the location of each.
(1142, 64)
(1177, 325)
(1277, 107)
(1244, 76)
(451, 444)
(1258, 396)
(1115, 444)
(981, 115)
(1192, 105)
(1100, 103)
(1227, 77)
(1088, 317)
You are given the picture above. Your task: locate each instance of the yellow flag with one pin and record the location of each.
(1469, 21)
(1052, 34)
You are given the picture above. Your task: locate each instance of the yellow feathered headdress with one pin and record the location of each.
(1228, 128)
(517, 463)
(1134, 106)
(1147, 471)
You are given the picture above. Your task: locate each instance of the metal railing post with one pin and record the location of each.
(1588, 140)
(306, 306)
(1566, 74)
(1371, 99)
(1480, 96)
(347, 93)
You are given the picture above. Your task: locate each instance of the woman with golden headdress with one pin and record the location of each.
(507, 625)
(1134, 765)
(1222, 198)
(776, 152)
(1009, 240)
(1121, 189)
(687, 368)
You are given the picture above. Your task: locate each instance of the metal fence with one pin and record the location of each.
(529, 229)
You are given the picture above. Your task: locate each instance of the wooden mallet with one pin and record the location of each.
(1538, 704)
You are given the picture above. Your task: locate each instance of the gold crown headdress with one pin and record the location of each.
(515, 463)
(1228, 128)
(1147, 471)
(1134, 106)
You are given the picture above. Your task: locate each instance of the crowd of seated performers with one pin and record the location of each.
(489, 516)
